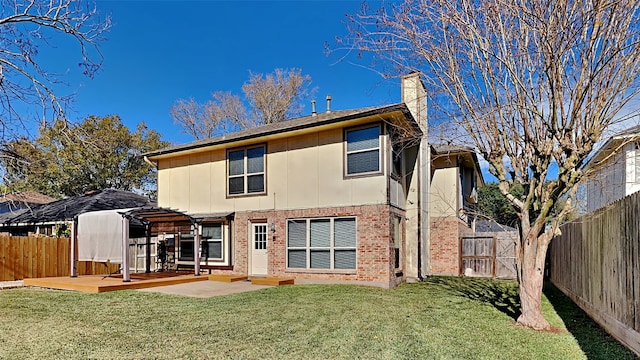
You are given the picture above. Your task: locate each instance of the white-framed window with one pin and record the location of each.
(363, 155)
(212, 243)
(246, 171)
(322, 243)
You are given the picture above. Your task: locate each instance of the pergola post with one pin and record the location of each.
(196, 250)
(125, 250)
(148, 257)
(74, 239)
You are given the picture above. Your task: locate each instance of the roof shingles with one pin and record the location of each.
(67, 209)
(289, 125)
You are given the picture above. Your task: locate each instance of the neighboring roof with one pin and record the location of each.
(614, 143)
(442, 149)
(28, 197)
(67, 209)
(632, 131)
(492, 226)
(438, 149)
(291, 125)
(7, 216)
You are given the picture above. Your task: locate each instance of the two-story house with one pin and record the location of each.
(340, 196)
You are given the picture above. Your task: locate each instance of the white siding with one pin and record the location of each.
(615, 179)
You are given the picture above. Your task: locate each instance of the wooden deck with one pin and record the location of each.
(100, 283)
(227, 278)
(273, 281)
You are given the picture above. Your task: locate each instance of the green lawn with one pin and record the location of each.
(443, 318)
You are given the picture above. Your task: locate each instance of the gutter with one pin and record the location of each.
(153, 165)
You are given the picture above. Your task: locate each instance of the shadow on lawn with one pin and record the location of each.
(593, 340)
(503, 295)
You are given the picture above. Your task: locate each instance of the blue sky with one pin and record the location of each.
(160, 51)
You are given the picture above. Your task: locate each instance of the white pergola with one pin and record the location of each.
(147, 216)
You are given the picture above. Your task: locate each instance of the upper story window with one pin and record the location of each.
(363, 151)
(246, 171)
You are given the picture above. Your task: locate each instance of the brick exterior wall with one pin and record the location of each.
(375, 254)
(445, 245)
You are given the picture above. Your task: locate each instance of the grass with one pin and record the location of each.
(441, 318)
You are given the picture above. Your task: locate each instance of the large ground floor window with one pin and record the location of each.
(214, 248)
(323, 243)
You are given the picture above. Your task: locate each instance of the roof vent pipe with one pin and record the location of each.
(313, 108)
(328, 104)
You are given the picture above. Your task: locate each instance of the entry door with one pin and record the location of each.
(259, 257)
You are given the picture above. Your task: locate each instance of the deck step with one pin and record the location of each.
(227, 278)
(274, 281)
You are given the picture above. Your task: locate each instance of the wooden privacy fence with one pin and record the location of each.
(33, 257)
(596, 262)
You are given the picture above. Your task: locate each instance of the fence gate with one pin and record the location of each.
(477, 255)
(506, 258)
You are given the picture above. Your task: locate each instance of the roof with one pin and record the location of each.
(29, 197)
(470, 155)
(441, 149)
(614, 143)
(291, 125)
(492, 226)
(67, 209)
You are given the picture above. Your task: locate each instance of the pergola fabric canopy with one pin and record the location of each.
(104, 235)
(99, 236)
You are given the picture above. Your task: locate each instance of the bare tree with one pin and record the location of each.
(534, 84)
(272, 98)
(26, 27)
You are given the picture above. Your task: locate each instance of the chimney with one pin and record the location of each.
(414, 96)
(328, 104)
(313, 108)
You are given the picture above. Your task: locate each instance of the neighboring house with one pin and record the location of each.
(616, 167)
(22, 200)
(340, 196)
(455, 176)
(51, 218)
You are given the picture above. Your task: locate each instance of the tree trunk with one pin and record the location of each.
(532, 279)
